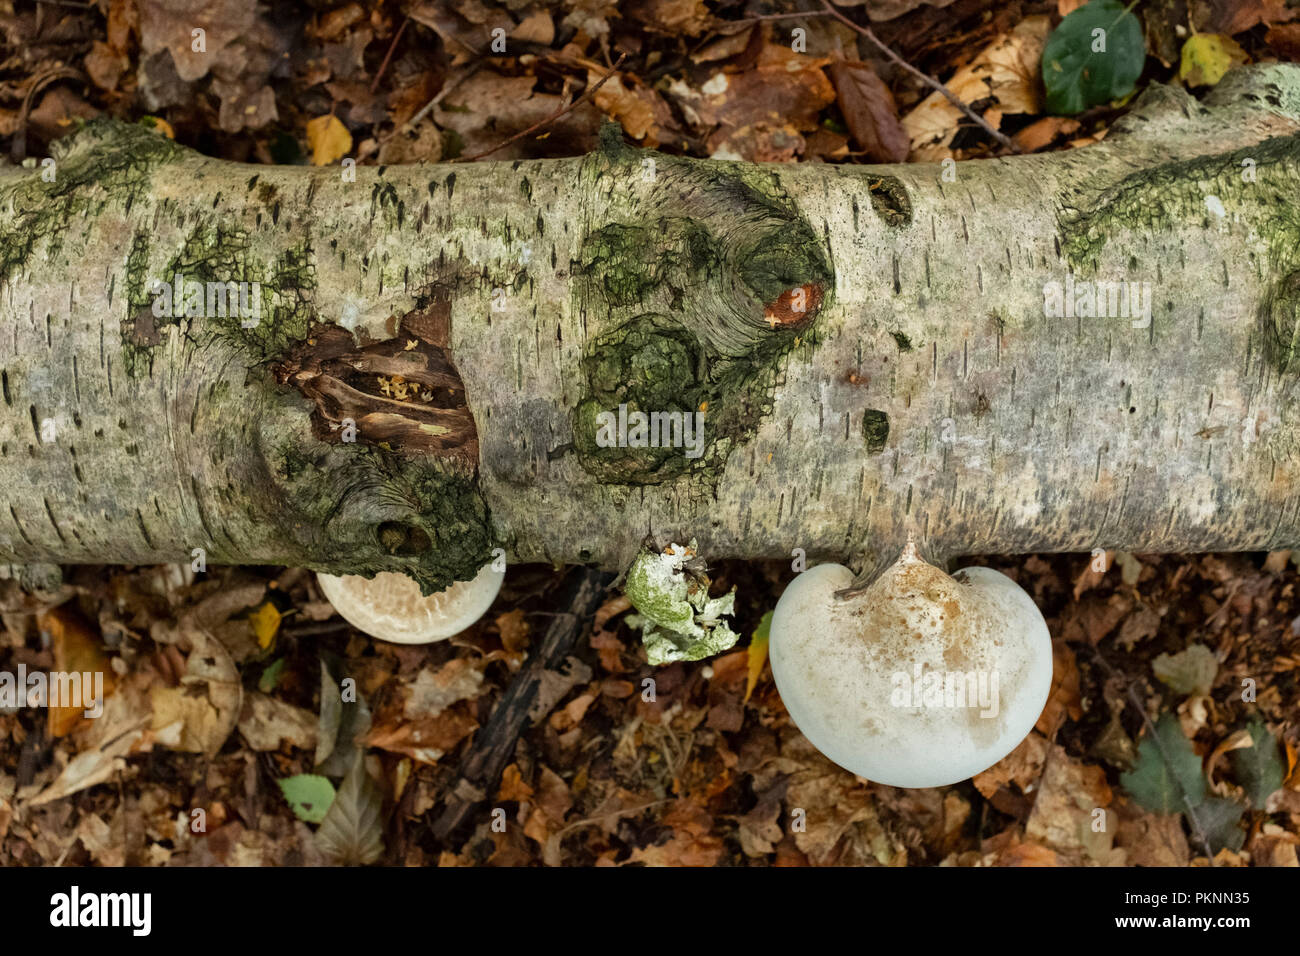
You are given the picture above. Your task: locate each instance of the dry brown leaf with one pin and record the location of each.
(1150, 839)
(631, 103)
(671, 17)
(1238, 740)
(266, 722)
(881, 10)
(1064, 699)
(1034, 137)
(424, 741)
(514, 629)
(1138, 626)
(1231, 17)
(487, 108)
(1005, 72)
(841, 825)
(1274, 846)
(432, 691)
(423, 145)
(1023, 766)
(760, 828)
(762, 111)
(573, 712)
(1071, 803)
(90, 767)
(513, 786)
(726, 47)
(692, 843)
(1285, 39)
(870, 112)
(537, 27)
(1027, 854)
(1088, 578)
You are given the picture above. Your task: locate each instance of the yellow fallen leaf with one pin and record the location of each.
(757, 653)
(1207, 56)
(185, 723)
(160, 125)
(266, 623)
(329, 140)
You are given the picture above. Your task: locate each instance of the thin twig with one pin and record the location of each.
(587, 94)
(767, 17)
(438, 97)
(923, 77)
(389, 55)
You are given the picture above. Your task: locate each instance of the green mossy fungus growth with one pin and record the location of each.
(1254, 185)
(219, 254)
(381, 512)
(106, 161)
(691, 273)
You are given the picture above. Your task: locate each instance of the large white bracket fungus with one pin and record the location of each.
(920, 680)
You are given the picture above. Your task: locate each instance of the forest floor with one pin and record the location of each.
(220, 742)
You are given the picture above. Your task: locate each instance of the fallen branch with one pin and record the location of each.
(494, 746)
(439, 361)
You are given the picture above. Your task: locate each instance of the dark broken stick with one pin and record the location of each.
(494, 745)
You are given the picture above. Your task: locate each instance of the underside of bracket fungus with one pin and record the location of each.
(389, 606)
(920, 680)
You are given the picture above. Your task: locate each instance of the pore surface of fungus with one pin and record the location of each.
(389, 606)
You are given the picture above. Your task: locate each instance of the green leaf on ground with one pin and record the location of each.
(1259, 769)
(1096, 55)
(309, 796)
(271, 676)
(1190, 671)
(1166, 772)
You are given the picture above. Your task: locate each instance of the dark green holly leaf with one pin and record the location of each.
(1259, 768)
(1094, 56)
(1167, 775)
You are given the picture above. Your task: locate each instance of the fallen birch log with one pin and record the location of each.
(405, 368)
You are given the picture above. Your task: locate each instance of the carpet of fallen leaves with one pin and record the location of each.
(223, 683)
(217, 690)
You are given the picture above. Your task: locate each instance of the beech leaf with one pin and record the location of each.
(870, 112)
(351, 832)
(309, 796)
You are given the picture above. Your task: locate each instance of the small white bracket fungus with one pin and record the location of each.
(921, 679)
(390, 607)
